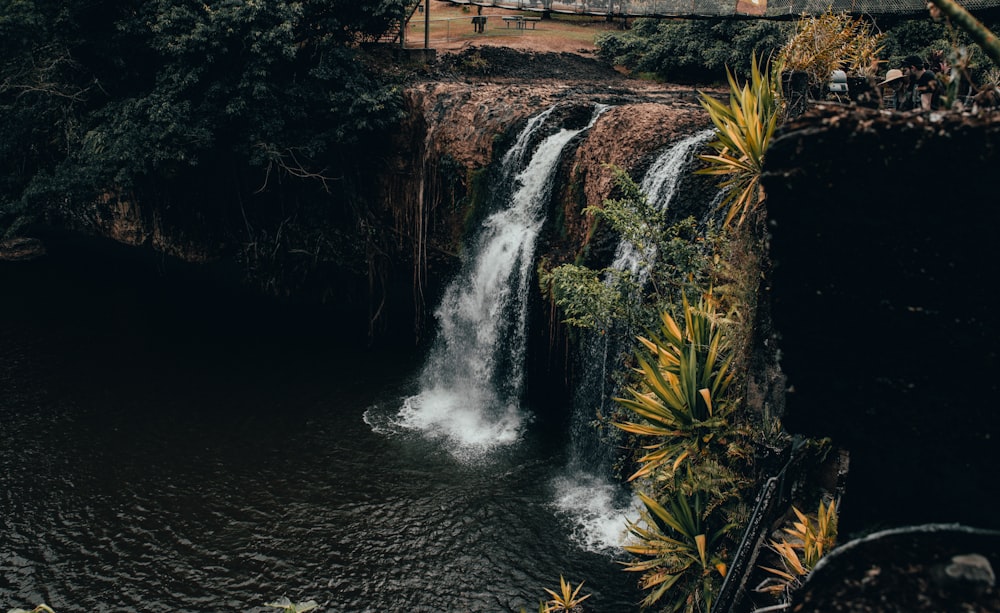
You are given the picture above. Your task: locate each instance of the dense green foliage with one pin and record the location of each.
(674, 258)
(699, 51)
(928, 38)
(692, 51)
(201, 105)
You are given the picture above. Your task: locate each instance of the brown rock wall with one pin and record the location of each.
(626, 136)
(457, 125)
(143, 224)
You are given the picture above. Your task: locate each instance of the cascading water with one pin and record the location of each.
(472, 381)
(659, 186)
(587, 491)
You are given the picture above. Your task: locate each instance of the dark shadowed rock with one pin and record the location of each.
(882, 239)
(21, 249)
(935, 568)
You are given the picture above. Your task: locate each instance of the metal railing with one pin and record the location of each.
(721, 8)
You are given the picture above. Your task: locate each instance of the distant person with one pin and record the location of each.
(895, 91)
(926, 88)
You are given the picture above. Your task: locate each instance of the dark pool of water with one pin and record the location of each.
(158, 453)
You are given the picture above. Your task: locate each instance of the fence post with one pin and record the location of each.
(427, 24)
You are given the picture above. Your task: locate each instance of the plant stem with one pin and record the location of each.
(979, 33)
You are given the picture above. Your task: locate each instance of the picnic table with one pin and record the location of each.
(520, 21)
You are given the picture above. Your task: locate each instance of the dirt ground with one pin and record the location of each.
(560, 47)
(451, 30)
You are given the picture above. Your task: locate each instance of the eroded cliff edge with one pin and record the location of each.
(375, 243)
(460, 123)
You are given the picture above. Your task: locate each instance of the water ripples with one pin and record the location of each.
(218, 498)
(353, 519)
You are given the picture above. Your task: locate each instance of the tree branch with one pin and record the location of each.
(965, 20)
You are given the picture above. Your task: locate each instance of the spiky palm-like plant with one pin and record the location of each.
(801, 547)
(684, 406)
(679, 555)
(567, 599)
(682, 402)
(287, 606)
(744, 128)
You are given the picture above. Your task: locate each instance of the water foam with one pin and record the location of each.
(471, 384)
(594, 506)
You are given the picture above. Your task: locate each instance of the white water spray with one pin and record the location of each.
(659, 186)
(472, 381)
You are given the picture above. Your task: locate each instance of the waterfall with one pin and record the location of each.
(471, 384)
(587, 492)
(659, 185)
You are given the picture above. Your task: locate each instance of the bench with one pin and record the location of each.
(508, 20)
(479, 23)
(532, 20)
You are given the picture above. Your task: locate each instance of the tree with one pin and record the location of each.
(227, 96)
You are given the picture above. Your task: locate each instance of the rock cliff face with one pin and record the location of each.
(462, 118)
(879, 292)
(882, 228)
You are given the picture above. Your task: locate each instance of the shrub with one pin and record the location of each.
(831, 42)
(691, 51)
